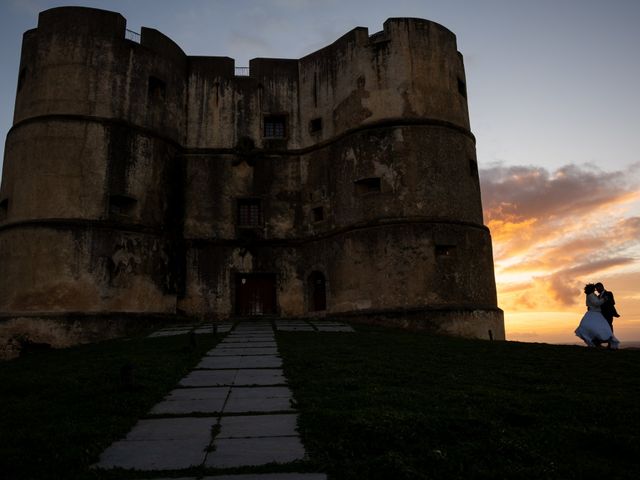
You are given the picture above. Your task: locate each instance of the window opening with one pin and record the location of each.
(317, 286)
(21, 78)
(249, 212)
(318, 214)
(473, 167)
(274, 126)
(157, 89)
(122, 205)
(462, 88)
(4, 209)
(368, 185)
(315, 125)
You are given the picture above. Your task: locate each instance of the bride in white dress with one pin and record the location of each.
(594, 328)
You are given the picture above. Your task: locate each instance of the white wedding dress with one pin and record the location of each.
(594, 328)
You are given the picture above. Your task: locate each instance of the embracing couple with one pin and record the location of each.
(596, 327)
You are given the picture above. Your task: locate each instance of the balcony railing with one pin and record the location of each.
(131, 35)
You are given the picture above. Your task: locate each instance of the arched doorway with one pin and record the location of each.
(317, 288)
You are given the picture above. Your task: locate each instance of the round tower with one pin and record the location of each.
(91, 218)
(394, 171)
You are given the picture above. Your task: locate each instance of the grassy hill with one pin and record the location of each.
(375, 404)
(385, 404)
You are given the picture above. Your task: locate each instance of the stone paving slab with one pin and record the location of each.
(168, 333)
(329, 324)
(238, 361)
(192, 400)
(222, 352)
(247, 344)
(208, 378)
(172, 429)
(245, 405)
(262, 392)
(245, 426)
(254, 331)
(236, 452)
(209, 329)
(252, 338)
(261, 376)
(259, 399)
(265, 331)
(161, 444)
(266, 476)
(264, 328)
(244, 338)
(185, 407)
(222, 327)
(307, 328)
(154, 454)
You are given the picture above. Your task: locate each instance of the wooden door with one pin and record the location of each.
(255, 294)
(317, 292)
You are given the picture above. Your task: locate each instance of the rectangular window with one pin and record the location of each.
(21, 78)
(462, 88)
(315, 125)
(157, 89)
(249, 212)
(275, 126)
(318, 214)
(122, 205)
(473, 167)
(368, 185)
(4, 209)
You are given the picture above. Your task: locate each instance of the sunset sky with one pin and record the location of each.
(554, 100)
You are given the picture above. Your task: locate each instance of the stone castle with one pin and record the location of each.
(143, 184)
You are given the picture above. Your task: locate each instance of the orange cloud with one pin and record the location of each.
(554, 232)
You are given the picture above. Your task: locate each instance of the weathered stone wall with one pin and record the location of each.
(126, 162)
(91, 180)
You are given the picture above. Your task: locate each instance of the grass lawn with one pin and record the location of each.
(376, 404)
(388, 404)
(60, 409)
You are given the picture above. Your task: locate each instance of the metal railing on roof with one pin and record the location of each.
(242, 71)
(131, 35)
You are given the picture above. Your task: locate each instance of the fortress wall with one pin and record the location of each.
(74, 269)
(216, 182)
(211, 277)
(211, 103)
(55, 169)
(223, 108)
(407, 72)
(402, 266)
(390, 268)
(130, 158)
(424, 157)
(424, 172)
(90, 164)
(67, 69)
(65, 168)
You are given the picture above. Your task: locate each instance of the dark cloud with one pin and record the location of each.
(564, 229)
(566, 284)
(517, 193)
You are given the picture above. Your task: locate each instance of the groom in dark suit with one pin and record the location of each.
(608, 308)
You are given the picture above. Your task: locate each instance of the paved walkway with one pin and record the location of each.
(245, 414)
